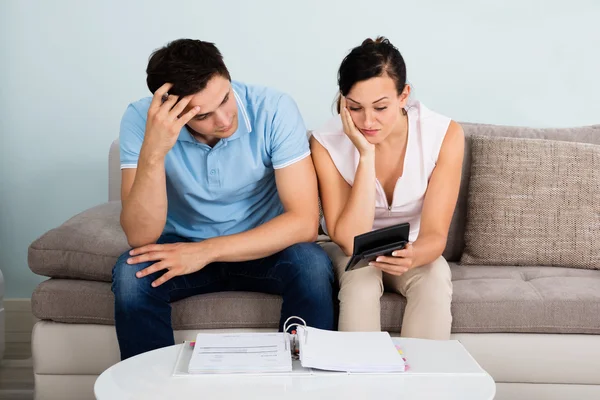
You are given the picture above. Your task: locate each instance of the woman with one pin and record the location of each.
(385, 160)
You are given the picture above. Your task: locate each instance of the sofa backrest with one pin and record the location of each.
(455, 244)
(586, 134)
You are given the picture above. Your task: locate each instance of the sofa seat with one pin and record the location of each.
(486, 299)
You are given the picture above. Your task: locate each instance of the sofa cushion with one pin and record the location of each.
(485, 299)
(533, 202)
(85, 247)
(88, 302)
(585, 134)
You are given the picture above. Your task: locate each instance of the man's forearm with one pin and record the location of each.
(271, 237)
(145, 209)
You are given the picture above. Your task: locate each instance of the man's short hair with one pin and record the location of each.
(186, 63)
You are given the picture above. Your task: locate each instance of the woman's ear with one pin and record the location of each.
(403, 97)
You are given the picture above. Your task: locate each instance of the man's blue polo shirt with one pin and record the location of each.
(229, 188)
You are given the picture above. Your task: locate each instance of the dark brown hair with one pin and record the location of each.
(186, 63)
(371, 59)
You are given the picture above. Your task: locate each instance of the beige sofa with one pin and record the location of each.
(535, 329)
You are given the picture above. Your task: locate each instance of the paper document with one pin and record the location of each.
(349, 351)
(240, 352)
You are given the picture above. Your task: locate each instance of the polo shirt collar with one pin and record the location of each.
(244, 126)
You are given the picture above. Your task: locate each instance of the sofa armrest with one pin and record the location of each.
(84, 247)
(114, 172)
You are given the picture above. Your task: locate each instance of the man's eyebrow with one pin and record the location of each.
(222, 102)
(225, 98)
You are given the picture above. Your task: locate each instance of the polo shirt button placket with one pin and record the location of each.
(213, 171)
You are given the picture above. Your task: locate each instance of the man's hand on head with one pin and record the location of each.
(165, 121)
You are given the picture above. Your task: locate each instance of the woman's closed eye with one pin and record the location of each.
(376, 108)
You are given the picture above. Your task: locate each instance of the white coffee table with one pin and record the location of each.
(438, 370)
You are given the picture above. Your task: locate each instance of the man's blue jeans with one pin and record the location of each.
(302, 274)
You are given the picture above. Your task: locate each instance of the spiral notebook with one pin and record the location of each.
(349, 351)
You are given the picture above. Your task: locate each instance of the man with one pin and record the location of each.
(219, 193)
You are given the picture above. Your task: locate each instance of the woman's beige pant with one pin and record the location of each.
(428, 291)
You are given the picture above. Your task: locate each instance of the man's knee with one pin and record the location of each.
(312, 268)
(129, 290)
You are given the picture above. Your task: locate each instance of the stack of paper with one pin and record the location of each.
(349, 351)
(240, 352)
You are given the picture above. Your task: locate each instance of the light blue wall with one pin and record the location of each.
(69, 68)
